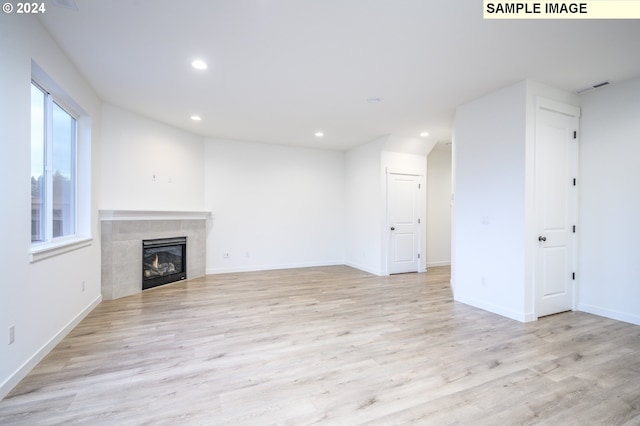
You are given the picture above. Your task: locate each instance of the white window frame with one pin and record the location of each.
(82, 195)
(49, 102)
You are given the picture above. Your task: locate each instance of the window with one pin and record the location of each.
(53, 168)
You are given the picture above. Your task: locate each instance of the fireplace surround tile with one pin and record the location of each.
(122, 233)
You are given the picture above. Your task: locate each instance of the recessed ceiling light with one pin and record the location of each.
(374, 100)
(199, 64)
(319, 134)
(424, 134)
(196, 118)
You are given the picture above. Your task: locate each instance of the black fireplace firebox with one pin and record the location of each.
(164, 260)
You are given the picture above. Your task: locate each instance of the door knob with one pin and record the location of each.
(541, 238)
(393, 228)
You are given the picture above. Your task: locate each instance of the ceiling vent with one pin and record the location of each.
(595, 86)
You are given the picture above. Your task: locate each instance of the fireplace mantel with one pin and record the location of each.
(153, 215)
(122, 233)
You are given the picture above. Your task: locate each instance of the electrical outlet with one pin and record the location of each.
(83, 286)
(12, 334)
(225, 255)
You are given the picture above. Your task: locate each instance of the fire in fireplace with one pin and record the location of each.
(164, 261)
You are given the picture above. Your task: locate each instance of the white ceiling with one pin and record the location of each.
(280, 70)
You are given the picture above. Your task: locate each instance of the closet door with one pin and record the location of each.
(556, 159)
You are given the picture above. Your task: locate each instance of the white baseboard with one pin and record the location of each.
(608, 313)
(28, 365)
(499, 310)
(364, 268)
(257, 268)
(439, 263)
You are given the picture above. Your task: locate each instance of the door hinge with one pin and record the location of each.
(574, 229)
(573, 276)
(418, 220)
(418, 255)
(574, 181)
(575, 134)
(418, 186)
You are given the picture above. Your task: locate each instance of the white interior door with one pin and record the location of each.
(404, 223)
(556, 161)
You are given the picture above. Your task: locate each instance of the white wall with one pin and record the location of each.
(134, 150)
(488, 258)
(367, 234)
(364, 208)
(43, 300)
(273, 206)
(609, 200)
(494, 240)
(439, 207)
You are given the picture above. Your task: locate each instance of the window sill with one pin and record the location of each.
(47, 250)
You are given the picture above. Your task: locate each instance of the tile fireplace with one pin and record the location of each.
(122, 235)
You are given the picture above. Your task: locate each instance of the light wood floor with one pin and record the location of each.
(329, 345)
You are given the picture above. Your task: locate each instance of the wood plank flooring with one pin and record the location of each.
(329, 345)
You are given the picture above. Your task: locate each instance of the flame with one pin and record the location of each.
(155, 262)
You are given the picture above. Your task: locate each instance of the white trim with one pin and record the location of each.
(608, 313)
(29, 364)
(439, 263)
(46, 250)
(508, 313)
(405, 172)
(558, 107)
(365, 269)
(49, 85)
(257, 268)
(113, 215)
